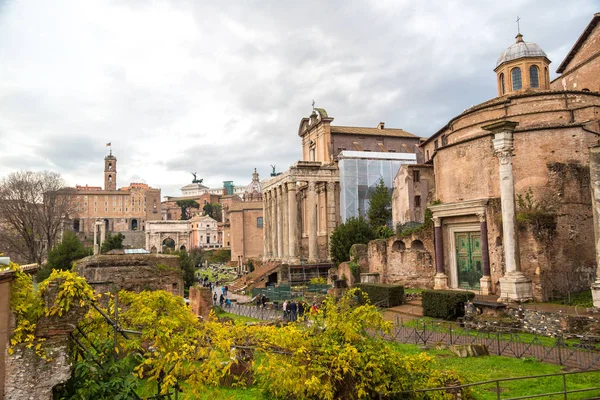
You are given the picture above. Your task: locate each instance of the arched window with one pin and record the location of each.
(110, 178)
(110, 166)
(417, 245)
(534, 77)
(517, 83)
(502, 87)
(398, 246)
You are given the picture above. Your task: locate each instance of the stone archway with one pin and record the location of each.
(153, 250)
(168, 245)
(182, 248)
(134, 224)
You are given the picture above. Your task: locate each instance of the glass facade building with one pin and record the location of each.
(360, 172)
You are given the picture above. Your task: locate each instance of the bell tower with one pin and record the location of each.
(110, 172)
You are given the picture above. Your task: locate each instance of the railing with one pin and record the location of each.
(495, 388)
(581, 354)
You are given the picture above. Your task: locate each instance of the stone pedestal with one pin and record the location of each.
(440, 281)
(485, 285)
(596, 293)
(515, 288)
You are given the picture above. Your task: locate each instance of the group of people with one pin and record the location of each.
(261, 301)
(222, 299)
(293, 310)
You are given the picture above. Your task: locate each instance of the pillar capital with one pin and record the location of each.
(437, 221)
(330, 186)
(481, 216)
(291, 186)
(312, 185)
(501, 126)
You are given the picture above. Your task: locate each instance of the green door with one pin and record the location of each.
(468, 259)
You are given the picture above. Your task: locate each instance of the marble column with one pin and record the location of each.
(330, 212)
(311, 210)
(440, 281)
(293, 232)
(273, 223)
(279, 221)
(485, 283)
(514, 286)
(285, 233)
(595, 187)
(266, 227)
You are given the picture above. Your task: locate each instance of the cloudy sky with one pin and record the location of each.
(219, 87)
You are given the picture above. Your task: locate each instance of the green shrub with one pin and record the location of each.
(445, 304)
(392, 295)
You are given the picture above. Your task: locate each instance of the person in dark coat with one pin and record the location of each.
(263, 300)
(221, 300)
(215, 298)
(300, 309)
(293, 311)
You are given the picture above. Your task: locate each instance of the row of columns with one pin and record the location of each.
(282, 227)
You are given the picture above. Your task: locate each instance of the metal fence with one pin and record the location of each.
(538, 386)
(286, 292)
(582, 353)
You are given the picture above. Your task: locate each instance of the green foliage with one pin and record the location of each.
(213, 210)
(353, 231)
(62, 256)
(383, 232)
(186, 206)
(188, 263)
(112, 242)
(390, 295)
(355, 269)
(250, 265)
(445, 304)
(98, 375)
(380, 206)
(217, 256)
(318, 281)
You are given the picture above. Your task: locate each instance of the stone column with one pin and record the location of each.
(96, 247)
(595, 187)
(266, 227)
(285, 230)
(293, 232)
(273, 223)
(311, 211)
(279, 221)
(331, 213)
(440, 281)
(514, 286)
(485, 283)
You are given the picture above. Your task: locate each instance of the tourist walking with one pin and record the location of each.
(215, 298)
(221, 300)
(285, 306)
(300, 309)
(263, 300)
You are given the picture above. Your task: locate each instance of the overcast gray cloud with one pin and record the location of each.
(219, 88)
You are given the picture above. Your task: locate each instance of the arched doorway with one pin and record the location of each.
(134, 224)
(76, 225)
(182, 248)
(106, 225)
(153, 250)
(168, 245)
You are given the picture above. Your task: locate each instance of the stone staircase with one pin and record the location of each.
(412, 309)
(259, 275)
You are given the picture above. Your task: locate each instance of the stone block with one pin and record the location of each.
(469, 350)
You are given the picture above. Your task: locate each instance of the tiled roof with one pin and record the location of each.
(355, 130)
(588, 30)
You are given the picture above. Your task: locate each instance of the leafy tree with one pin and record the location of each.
(33, 209)
(186, 208)
(213, 210)
(61, 257)
(188, 262)
(353, 231)
(380, 206)
(112, 242)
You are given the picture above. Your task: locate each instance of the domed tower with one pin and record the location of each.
(110, 172)
(253, 191)
(523, 66)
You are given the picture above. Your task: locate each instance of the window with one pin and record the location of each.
(534, 77)
(312, 154)
(259, 222)
(417, 201)
(517, 83)
(417, 176)
(502, 87)
(444, 140)
(428, 154)
(435, 144)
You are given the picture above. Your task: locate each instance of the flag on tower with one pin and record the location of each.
(108, 144)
